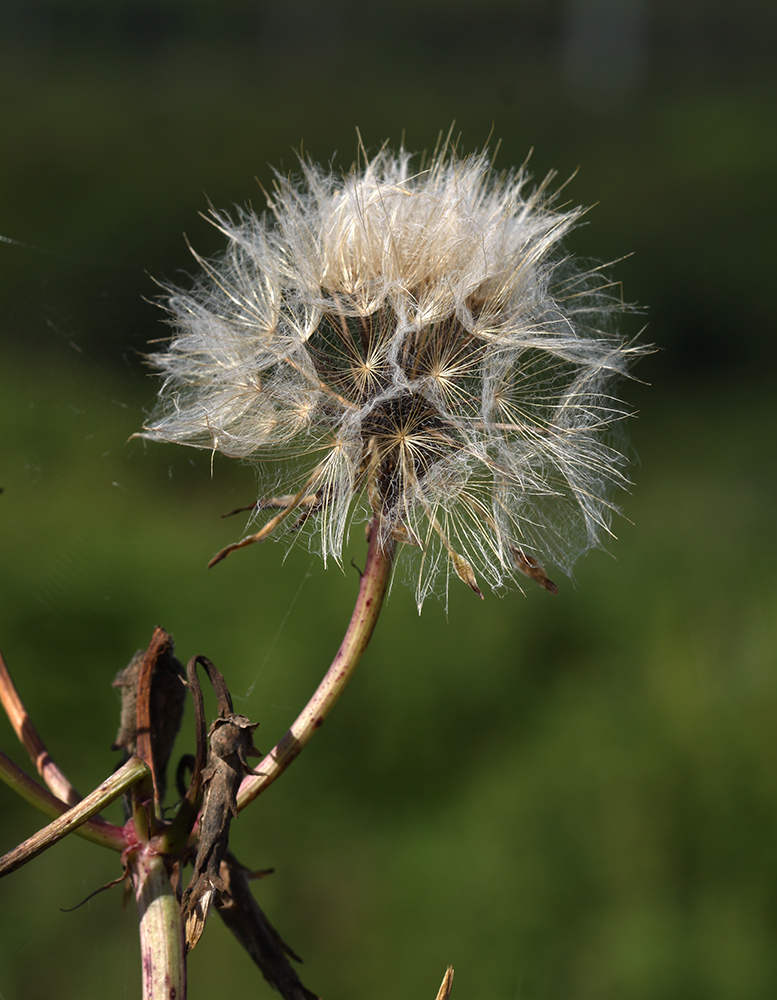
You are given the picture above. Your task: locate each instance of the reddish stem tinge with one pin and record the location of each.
(372, 590)
(29, 737)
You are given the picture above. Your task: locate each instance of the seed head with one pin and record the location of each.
(415, 348)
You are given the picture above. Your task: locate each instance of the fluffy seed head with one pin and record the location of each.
(415, 348)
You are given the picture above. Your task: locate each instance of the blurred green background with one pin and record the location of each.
(564, 798)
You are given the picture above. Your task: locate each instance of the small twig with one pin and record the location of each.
(118, 783)
(31, 741)
(372, 590)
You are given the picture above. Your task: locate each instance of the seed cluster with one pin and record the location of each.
(417, 351)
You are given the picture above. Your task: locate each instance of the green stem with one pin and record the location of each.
(372, 591)
(96, 830)
(163, 956)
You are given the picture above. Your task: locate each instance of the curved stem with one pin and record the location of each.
(372, 590)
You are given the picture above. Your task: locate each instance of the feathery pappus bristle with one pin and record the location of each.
(418, 350)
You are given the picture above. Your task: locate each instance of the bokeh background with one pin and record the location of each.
(571, 797)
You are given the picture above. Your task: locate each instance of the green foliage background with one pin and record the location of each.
(564, 798)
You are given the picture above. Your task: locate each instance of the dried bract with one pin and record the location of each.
(231, 743)
(245, 918)
(414, 347)
(164, 705)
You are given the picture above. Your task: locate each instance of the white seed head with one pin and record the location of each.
(418, 345)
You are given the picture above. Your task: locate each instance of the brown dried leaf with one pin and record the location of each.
(165, 706)
(243, 916)
(231, 743)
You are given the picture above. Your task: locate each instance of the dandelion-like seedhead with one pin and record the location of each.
(419, 353)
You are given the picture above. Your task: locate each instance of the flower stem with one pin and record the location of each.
(163, 958)
(372, 590)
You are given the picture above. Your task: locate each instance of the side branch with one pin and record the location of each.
(31, 741)
(369, 602)
(70, 820)
(97, 830)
